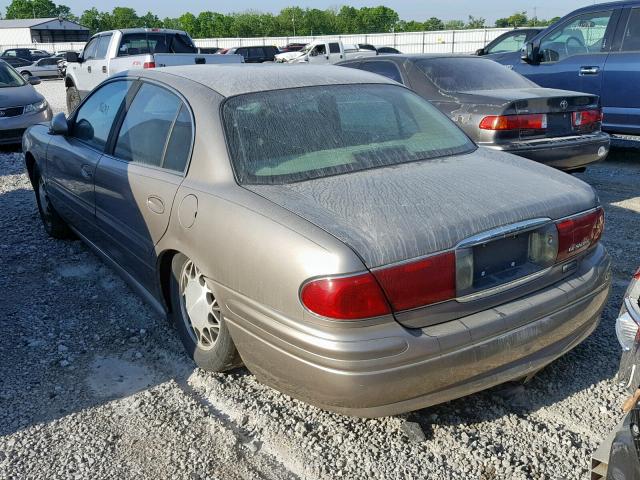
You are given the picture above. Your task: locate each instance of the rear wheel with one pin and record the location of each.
(53, 224)
(26, 75)
(198, 318)
(73, 98)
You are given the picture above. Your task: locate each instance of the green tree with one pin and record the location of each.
(189, 23)
(32, 9)
(377, 19)
(516, 20)
(475, 22)
(212, 25)
(347, 20)
(453, 25)
(95, 20)
(150, 20)
(433, 23)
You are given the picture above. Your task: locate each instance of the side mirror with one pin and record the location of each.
(35, 80)
(72, 57)
(529, 53)
(59, 125)
(480, 52)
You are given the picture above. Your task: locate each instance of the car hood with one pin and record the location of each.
(391, 214)
(16, 96)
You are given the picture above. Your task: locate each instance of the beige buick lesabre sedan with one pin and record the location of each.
(326, 227)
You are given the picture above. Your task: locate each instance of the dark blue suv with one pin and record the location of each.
(595, 49)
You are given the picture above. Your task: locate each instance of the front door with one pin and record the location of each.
(573, 55)
(620, 93)
(72, 159)
(319, 54)
(137, 181)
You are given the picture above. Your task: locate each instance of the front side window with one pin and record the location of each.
(469, 74)
(103, 46)
(511, 43)
(631, 39)
(386, 69)
(147, 125)
(95, 117)
(319, 50)
(298, 134)
(89, 51)
(584, 34)
(9, 77)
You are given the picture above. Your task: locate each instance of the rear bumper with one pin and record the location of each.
(385, 369)
(565, 153)
(11, 129)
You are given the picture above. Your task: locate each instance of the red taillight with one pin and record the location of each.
(415, 284)
(586, 117)
(149, 65)
(535, 121)
(577, 234)
(637, 275)
(345, 298)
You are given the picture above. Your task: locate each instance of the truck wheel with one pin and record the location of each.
(198, 318)
(55, 226)
(26, 75)
(73, 98)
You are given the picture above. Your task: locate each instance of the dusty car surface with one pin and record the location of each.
(20, 105)
(501, 109)
(378, 263)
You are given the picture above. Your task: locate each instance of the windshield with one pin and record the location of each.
(291, 135)
(9, 77)
(467, 74)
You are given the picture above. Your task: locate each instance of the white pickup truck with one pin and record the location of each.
(110, 52)
(321, 51)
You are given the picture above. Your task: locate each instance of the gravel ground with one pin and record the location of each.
(93, 384)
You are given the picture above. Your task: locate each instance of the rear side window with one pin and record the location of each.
(256, 52)
(334, 48)
(346, 128)
(469, 74)
(631, 39)
(179, 146)
(147, 129)
(95, 117)
(386, 69)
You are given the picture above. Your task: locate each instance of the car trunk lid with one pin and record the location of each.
(392, 214)
(557, 105)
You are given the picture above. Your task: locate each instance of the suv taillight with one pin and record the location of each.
(149, 65)
(577, 234)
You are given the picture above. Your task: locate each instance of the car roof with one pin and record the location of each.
(230, 80)
(412, 57)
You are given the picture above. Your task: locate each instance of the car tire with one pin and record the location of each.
(73, 98)
(53, 224)
(204, 332)
(26, 75)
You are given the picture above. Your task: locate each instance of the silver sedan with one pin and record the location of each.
(45, 67)
(326, 227)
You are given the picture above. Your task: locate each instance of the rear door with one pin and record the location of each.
(574, 53)
(72, 159)
(47, 67)
(335, 52)
(620, 93)
(137, 179)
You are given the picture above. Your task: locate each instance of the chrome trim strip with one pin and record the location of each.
(503, 231)
(502, 287)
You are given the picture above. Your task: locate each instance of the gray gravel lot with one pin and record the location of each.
(93, 384)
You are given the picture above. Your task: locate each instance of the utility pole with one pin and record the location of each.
(293, 19)
(535, 15)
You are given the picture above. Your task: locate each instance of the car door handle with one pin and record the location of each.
(104, 69)
(86, 171)
(89, 68)
(589, 70)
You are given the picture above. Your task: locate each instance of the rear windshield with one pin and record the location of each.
(291, 135)
(467, 74)
(155, 42)
(9, 77)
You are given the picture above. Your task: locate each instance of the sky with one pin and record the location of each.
(407, 9)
